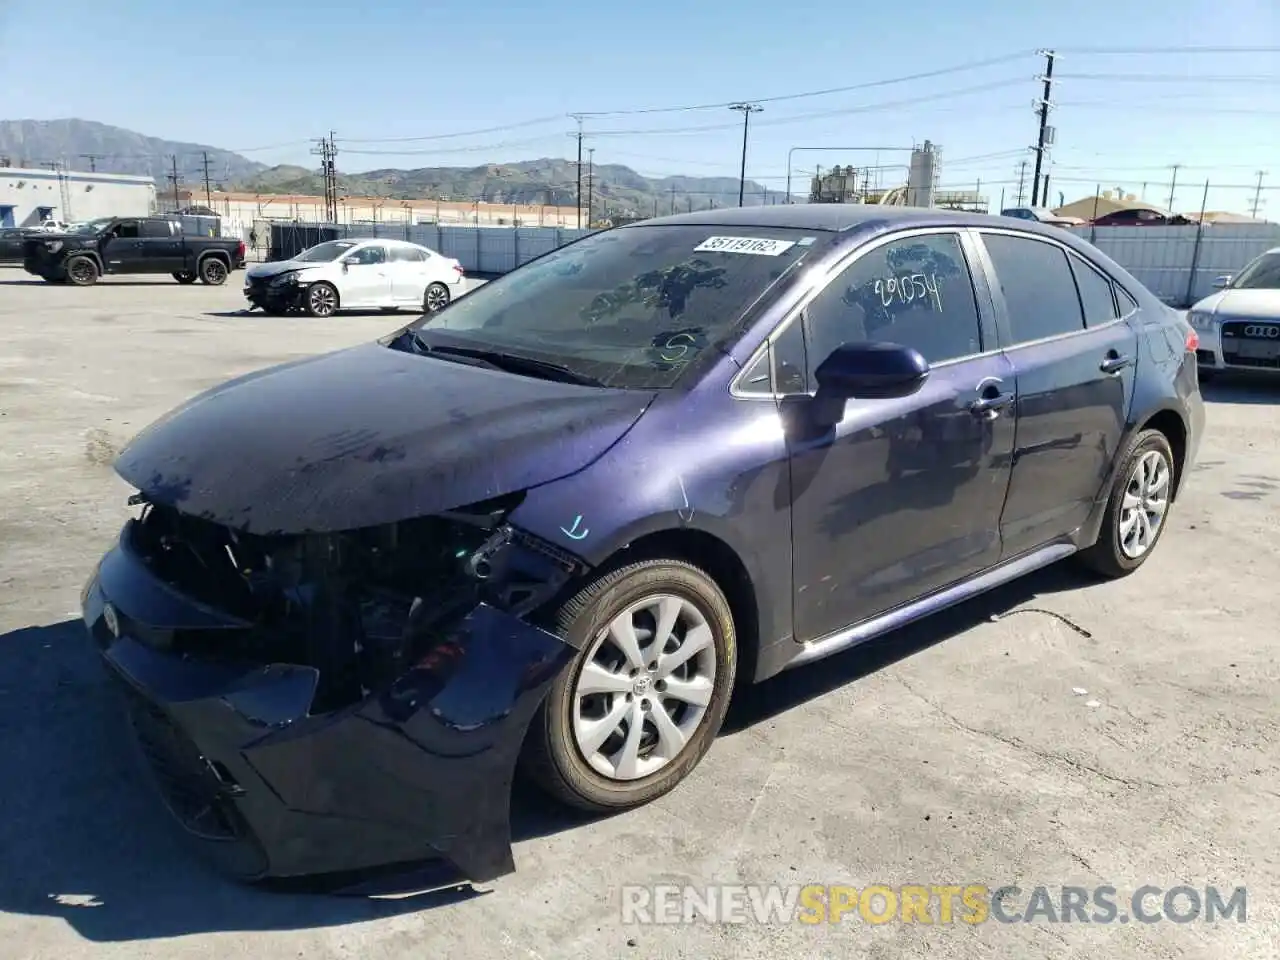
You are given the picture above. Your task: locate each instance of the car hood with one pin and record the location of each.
(1244, 304)
(366, 436)
(278, 267)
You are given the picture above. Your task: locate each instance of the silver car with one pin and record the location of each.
(1239, 326)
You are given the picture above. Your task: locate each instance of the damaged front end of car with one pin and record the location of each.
(336, 702)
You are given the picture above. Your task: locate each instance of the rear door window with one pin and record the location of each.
(157, 229)
(1096, 294)
(1038, 287)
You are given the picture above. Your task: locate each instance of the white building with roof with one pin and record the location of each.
(29, 195)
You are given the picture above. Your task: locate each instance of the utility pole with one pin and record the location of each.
(578, 118)
(175, 178)
(746, 109)
(208, 189)
(1022, 183)
(327, 150)
(1257, 196)
(1173, 185)
(1042, 141)
(93, 159)
(591, 182)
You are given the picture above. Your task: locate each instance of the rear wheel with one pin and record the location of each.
(82, 271)
(185, 276)
(213, 271)
(322, 300)
(436, 298)
(645, 697)
(1138, 508)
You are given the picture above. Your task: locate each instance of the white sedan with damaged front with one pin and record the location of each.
(355, 275)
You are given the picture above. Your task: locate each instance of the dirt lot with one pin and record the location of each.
(1120, 734)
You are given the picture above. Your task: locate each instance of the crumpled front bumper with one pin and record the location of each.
(421, 771)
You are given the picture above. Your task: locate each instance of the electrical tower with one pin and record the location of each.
(1256, 206)
(208, 188)
(327, 150)
(578, 117)
(1039, 189)
(175, 178)
(1021, 198)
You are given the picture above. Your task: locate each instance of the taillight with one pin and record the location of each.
(240, 249)
(1193, 341)
(457, 268)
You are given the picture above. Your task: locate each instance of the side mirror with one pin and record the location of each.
(1220, 283)
(870, 371)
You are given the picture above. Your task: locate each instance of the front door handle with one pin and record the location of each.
(1114, 363)
(989, 405)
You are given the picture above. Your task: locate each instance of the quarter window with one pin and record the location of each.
(1039, 290)
(916, 292)
(1095, 294)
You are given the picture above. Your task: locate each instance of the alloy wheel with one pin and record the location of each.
(1145, 502)
(81, 271)
(437, 298)
(214, 272)
(644, 687)
(322, 300)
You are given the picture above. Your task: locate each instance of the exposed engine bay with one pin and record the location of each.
(362, 606)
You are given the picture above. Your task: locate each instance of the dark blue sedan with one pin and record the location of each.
(550, 527)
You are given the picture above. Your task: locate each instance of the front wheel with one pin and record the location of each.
(82, 271)
(213, 271)
(644, 699)
(436, 298)
(1138, 508)
(321, 300)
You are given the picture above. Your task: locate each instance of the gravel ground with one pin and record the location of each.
(1065, 733)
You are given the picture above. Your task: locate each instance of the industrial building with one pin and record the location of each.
(29, 195)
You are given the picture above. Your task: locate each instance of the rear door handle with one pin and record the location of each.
(1114, 363)
(988, 406)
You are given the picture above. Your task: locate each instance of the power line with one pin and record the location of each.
(557, 118)
(1090, 51)
(872, 84)
(208, 190)
(1168, 78)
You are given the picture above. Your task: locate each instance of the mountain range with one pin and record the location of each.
(87, 144)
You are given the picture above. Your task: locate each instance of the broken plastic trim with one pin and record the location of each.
(360, 607)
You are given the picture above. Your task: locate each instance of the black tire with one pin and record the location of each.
(1106, 556)
(185, 276)
(213, 271)
(551, 757)
(321, 300)
(81, 271)
(435, 298)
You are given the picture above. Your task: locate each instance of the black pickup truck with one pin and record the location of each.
(120, 245)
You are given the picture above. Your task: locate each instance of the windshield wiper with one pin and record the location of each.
(511, 362)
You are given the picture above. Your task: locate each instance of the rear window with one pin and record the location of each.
(634, 307)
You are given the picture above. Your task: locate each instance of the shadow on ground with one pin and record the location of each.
(87, 840)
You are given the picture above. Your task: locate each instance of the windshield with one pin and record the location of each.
(93, 226)
(631, 307)
(1261, 274)
(324, 252)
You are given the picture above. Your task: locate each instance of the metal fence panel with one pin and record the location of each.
(1179, 264)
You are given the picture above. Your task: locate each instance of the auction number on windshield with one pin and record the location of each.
(910, 288)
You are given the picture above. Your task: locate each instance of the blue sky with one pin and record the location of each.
(265, 77)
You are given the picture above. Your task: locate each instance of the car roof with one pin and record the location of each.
(841, 217)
